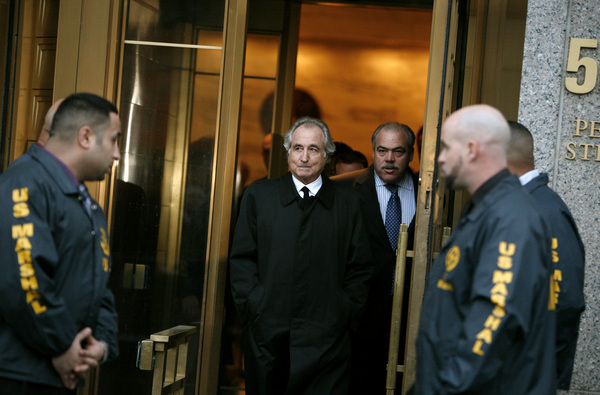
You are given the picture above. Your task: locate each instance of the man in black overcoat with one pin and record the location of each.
(392, 152)
(568, 253)
(300, 265)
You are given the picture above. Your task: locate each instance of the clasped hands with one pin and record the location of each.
(83, 354)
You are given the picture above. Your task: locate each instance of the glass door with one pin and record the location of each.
(170, 93)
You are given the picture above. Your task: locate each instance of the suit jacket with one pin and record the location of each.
(371, 342)
(384, 257)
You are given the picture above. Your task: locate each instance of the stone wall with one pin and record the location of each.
(572, 158)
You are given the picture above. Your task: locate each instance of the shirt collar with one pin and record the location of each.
(67, 171)
(530, 175)
(313, 187)
(405, 182)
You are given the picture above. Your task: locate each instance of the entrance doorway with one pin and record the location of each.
(356, 67)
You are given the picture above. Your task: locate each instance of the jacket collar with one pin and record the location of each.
(54, 169)
(537, 182)
(288, 193)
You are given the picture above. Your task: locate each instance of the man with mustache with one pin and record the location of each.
(389, 188)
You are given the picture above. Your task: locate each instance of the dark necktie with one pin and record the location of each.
(305, 196)
(87, 200)
(393, 216)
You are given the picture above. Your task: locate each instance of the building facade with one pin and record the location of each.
(201, 84)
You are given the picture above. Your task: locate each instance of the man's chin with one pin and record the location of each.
(450, 182)
(391, 176)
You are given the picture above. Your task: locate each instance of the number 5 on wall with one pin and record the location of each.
(589, 64)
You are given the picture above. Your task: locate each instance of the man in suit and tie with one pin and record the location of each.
(389, 188)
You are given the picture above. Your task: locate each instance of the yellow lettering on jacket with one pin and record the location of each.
(498, 312)
(446, 286)
(492, 322)
(555, 279)
(104, 242)
(20, 195)
(502, 277)
(498, 294)
(498, 299)
(25, 230)
(26, 270)
(485, 335)
(477, 348)
(31, 295)
(500, 288)
(24, 256)
(29, 283)
(507, 248)
(20, 210)
(23, 247)
(22, 244)
(37, 307)
(557, 275)
(505, 262)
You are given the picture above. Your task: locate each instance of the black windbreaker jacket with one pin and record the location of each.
(485, 325)
(54, 265)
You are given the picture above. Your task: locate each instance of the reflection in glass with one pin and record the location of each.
(161, 197)
(259, 86)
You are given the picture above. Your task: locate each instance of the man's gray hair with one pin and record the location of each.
(328, 141)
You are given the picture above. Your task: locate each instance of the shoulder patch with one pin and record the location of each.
(452, 258)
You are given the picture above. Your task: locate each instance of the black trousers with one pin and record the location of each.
(15, 387)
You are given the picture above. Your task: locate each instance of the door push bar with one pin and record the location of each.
(166, 353)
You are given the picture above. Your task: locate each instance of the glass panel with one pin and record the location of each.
(161, 198)
(255, 124)
(164, 20)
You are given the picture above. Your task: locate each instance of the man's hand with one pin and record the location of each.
(66, 363)
(92, 352)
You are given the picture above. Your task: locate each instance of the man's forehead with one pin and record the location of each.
(306, 132)
(385, 137)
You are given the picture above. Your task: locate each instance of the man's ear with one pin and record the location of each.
(473, 148)
(86, 138)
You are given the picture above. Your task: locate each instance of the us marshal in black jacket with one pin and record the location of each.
(569, 264)
(299, 281)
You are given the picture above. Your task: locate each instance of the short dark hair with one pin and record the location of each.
(520, 148)
(81, 109)
(395, 127)
(352, 157)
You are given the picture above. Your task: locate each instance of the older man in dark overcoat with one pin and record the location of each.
(300, 265)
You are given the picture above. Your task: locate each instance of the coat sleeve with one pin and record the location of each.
(568, 256)
(243, 262)
(107, 324)
(510, 282)
(30, 304)
(359, 268)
